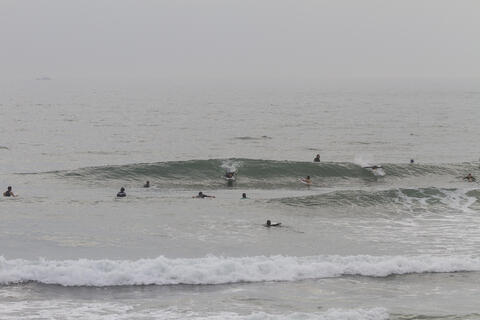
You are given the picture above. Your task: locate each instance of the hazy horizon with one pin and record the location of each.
(284, 41)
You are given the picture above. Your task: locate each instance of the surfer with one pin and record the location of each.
(317, 158)
(121, 193)
(202, 195)
(412, 161)
(9, 192)
(244, 195)
(229, 174)
(469, 178)
(373, 167)
(270, 224)
(147, 184)
(306, 180)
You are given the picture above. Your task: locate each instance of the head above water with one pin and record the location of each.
(244, 195)
(122, 189)
(200, 193)
(412, 161)
(269, 223)
(9, 188)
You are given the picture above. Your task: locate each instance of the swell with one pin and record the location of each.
(221, 270)
(255, 173)
(418, 197)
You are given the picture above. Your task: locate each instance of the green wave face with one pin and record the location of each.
(254, 173)
(416, 200)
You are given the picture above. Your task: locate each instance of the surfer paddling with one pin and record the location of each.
(270, 224)
(373, 167)
(202, 195)
(469, 178)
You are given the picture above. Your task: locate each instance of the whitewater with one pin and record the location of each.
(355, 244)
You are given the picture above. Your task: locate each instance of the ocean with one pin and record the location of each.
(398, 242)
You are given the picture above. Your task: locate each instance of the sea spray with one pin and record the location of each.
(221, 270)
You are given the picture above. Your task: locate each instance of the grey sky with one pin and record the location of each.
(239, 39)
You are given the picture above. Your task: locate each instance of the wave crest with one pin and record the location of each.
(252, 173)
(417, 198)
(220, 270)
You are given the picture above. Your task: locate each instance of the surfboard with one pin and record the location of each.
(376, 170)
(308, 183)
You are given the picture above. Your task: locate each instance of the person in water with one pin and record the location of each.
(317, 158)
(147, 184)
(373, 167)
(307, 180)
(412, 161)
(122, 193)
(229, 174)
(270, 224)
(202, 195)
(469, 178)
(244, 195)
(9, 192)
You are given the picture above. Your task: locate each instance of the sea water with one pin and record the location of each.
(354, 245)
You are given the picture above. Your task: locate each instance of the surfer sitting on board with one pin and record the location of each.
(317, 158)
(201, 195)
(9, 192)
(469, 178)
(147, 184)
(122, 193)
(270, 224)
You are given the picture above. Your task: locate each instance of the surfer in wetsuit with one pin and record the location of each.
(270, 224)
(229, 174)
(469, 178)
(121, 193)
(373, 167)
(202, 195)
(317, 158)
(147, 184)
(244, 196)
(412, 161)
(9, 192)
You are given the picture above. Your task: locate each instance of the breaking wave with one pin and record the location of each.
(221, 270)
(410, 197)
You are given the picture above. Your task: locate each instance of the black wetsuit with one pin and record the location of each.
(7, 193)
(121, 194)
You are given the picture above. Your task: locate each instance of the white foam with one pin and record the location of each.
(67, 309)
(362, 161)
(330, 314)
(219, 270)
(230, 165)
